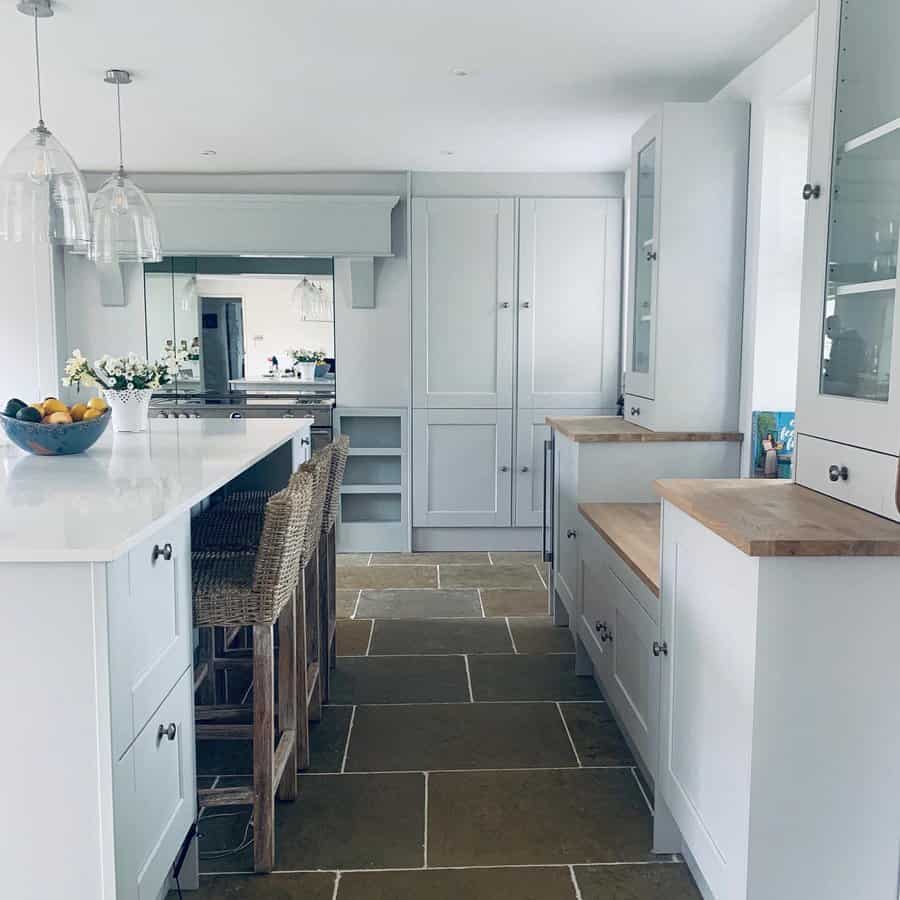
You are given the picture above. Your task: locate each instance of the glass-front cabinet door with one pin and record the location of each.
(642, 302)
(848, 388)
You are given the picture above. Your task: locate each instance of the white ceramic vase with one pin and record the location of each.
(130, 409)
(306, 371)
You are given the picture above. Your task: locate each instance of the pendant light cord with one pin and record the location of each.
(119, 112)
(37, 65)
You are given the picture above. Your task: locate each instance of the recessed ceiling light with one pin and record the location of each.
(448, 152)
(208, 153)
(460, 72)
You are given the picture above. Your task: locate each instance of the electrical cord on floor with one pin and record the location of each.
(246, 840)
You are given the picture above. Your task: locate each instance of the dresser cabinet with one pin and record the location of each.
(515, 317)
(848, 397)
(685, 302)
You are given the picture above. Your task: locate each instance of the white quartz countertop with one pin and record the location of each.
(95, 506)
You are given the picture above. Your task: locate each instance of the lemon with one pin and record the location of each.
(77, 412)
(92, 413)
(59, 418)
(52, 405)
(97, 403)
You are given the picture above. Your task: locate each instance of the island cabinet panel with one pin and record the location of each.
(464, 302)
(149, 627)
(463, 464)
(154, 796)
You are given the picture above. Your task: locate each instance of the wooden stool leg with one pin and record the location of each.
(263, 748)
(324, 642)
(287, 694)
(332, 598)
(302, 643)
(313, 610)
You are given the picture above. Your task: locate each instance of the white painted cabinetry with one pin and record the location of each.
(515, 312)
(848, 389)
(688, 225)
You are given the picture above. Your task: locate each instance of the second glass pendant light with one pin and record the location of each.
(124, 226)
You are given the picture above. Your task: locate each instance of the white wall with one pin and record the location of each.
(272, 322)
(771, 293)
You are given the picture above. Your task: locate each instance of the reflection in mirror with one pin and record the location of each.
(236, 322)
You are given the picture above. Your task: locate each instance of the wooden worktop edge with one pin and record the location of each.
(640, 436)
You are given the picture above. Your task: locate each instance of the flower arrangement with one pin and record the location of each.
(123, 373)
(306, 356)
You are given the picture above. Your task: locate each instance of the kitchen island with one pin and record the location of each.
(96, 590)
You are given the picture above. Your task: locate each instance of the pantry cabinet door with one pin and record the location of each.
(463, 302)
(463, 467)
(569, 298)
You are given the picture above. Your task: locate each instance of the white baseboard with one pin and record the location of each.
(476, 539)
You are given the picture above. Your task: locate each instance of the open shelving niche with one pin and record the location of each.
(374, 496)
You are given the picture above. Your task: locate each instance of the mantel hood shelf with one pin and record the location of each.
(342, 225)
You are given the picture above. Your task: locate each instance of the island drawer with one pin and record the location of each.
(149, 602)
(154, 796)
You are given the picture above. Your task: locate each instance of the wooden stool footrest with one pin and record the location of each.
(231, 796)
(230, 732)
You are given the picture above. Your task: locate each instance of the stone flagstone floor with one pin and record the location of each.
(460, 755)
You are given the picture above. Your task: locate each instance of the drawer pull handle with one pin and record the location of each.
(504, 305)
(660, 649)
(524, 468)
(838, 473)
(635, 410)
(167, 731)
(165, 552)
(571, 533)
(812, 191)
(603, 630)
(651, 256)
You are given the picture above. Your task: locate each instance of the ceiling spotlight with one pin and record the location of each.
(460, 72)
(208, 153)
(448, 152)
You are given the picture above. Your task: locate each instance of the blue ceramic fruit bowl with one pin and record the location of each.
(54, 440)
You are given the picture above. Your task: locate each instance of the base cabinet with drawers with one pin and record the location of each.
(618, 625)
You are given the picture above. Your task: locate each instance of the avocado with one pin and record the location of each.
(28, 414)
(13, 407)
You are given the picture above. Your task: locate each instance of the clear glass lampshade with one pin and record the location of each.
(313, 301)
(124, 225)
(42, 194)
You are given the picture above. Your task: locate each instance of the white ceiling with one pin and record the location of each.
(297, 85)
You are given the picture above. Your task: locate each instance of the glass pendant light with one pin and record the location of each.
(313, 301)
(124, 228)
(42, 193)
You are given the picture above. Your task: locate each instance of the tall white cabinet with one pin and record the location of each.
(688, 226)
(848, 393)
(515, 317)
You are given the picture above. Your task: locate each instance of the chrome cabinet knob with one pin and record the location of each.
(651, 255)
(167, 731)
(524, 468)
(570, 533)
(660, 649)
(504, 468)
(838, 473)
(526, 305)
(304, 442)
(812, 191)
(635, 410)
(504, 305)
(165, 552)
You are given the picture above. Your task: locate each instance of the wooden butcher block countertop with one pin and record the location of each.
(772, 518)
(632, 530)
(613, 429)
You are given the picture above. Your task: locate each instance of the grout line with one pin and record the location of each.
(511, 638)
(371, 772)
(425, 827)
(356, 608)
(371, 635)
(490, 558)
(574, 883)
(457, 702)
(438, 568)
(337, 884)
(569, 735)
(469, 679)
(371, 557)
(481, 603)
(641, 789)
(347, 745)
(528, 865)
(541, 576)
(446, 655)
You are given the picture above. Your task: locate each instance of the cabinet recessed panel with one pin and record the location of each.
(644, 256)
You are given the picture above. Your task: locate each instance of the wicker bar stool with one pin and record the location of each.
(328, 560)
(259, 591)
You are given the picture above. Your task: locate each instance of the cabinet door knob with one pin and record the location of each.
(635, 410)
(304, 442)
(524, 468)
(838, 473)
(526, 305)
(570, 533)
(651, 255)
(165, 552)
(660, 649)
(812, 191)
(235, 415)
(504, 306)
(504, 468)
(603, 630)
(167, 731)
